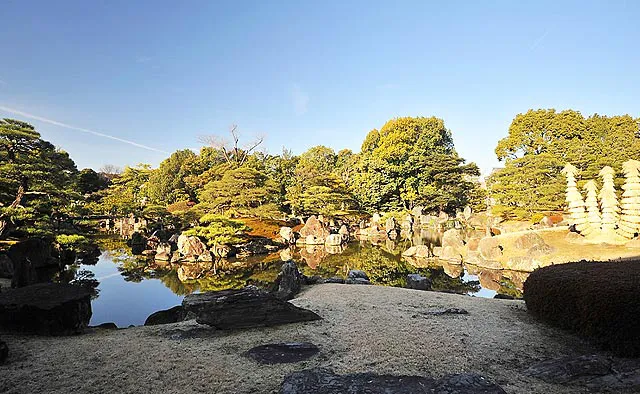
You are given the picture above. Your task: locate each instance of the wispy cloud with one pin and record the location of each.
(300, 100)
(143, 59)
(539, 40)
(76, 128)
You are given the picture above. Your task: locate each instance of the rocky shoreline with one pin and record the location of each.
(364, 330)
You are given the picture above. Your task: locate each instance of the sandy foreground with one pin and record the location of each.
(364, 329)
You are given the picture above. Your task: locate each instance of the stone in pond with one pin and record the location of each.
(323, 381)
(246, 308)
(418, 282)
(289, 281)
(280, 353)
(46, 309)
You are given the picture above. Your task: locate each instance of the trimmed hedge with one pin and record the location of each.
(597, 300)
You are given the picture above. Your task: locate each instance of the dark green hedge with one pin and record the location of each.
(597, 300)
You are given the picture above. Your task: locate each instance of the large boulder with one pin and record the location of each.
(315, 228)
(46, 309)
(489, 248)
(453, 238)
(528, 240)
(289, 281)
(344, 232)
(191, 246)
(451, 254)
(287, 235)
(390, 225)
(594, 299)
(37, 250)
(246, 308)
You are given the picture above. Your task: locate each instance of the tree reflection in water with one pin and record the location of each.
(382, 262)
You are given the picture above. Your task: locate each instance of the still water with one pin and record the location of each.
(130, 288)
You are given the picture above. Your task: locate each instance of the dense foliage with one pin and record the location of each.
(541, 142)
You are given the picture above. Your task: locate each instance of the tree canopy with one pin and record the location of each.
(540, 142)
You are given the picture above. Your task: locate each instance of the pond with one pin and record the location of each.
(130, 287)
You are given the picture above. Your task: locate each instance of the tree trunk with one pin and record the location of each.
(4, 221)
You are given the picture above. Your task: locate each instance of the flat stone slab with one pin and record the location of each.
(246, 308)
(281, 353)
(595, 371)
(46, 309)
(322, 381)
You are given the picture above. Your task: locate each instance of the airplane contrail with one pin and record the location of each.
(68, 126)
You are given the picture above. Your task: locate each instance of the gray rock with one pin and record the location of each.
(334, 280)
(6, 266)
(357, 281)
(246, 308)
(289, 281)
(418, 282)
(323, 381)
(46, 309)
(597, 372)
(171, 315)
(282, 353)
(354, 274)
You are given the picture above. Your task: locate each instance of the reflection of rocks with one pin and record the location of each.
(323, 381)
(193, 270)
(452, 270)
(313, 255)
(334, 240)
(490, 279)
(334, 249)
(46, 309)
(279, 353)
(138, 243)
(246, 308)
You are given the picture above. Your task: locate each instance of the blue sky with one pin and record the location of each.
(158, 74)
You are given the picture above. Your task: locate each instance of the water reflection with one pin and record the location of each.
(132, 287)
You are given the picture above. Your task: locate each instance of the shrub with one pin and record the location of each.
(597, 300)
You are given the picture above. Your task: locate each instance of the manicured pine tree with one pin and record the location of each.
(608, 202)
(629, 224)
(576, 207)
(593, 208)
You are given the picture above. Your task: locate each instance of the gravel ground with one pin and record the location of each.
(364, 329)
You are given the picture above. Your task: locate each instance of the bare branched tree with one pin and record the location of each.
(110, 169)
(232, 151)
